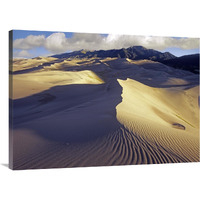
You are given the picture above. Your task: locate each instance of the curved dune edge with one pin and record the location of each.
(143, 113)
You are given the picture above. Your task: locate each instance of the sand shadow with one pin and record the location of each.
(77, 113)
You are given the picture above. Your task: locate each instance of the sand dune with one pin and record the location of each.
(150, 114)
(107, 112)
(24, 64)
(35, 82)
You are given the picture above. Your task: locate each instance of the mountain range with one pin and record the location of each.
(134, 52)
(187, 62)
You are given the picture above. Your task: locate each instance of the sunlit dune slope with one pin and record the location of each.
(23, 64)
(32, 83)
(166, 119)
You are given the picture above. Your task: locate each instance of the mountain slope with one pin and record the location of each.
(135, 52)
(188, 62)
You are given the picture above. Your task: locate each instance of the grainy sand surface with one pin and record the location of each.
(71, 113)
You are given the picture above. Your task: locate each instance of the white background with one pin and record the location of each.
(142, 17)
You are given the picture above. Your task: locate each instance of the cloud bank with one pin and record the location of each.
(59, 43)
(29, 42)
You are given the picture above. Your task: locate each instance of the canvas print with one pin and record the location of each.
(85, 99)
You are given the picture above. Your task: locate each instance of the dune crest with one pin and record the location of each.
(149, 113)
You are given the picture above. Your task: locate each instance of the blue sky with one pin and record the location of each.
(38, 51)
(180, 52)
(29, 44)
(17, 34)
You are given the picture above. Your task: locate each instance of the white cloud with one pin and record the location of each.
(85, 41)
(22, 54)
(186, 43)
(29, 42)
(58, 43)
(154, 42)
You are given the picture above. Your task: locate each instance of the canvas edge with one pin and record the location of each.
(10, 165)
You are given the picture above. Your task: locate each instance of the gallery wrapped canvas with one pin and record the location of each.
(82, 99)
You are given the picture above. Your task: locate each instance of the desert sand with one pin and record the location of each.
(94, 112)
(24, 64)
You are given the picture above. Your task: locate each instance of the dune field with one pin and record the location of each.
(102, 112)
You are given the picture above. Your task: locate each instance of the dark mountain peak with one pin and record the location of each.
(137, 48)
(169, 55)
(133, 52)
(187, 62)
(191, 56)
(84, 50)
